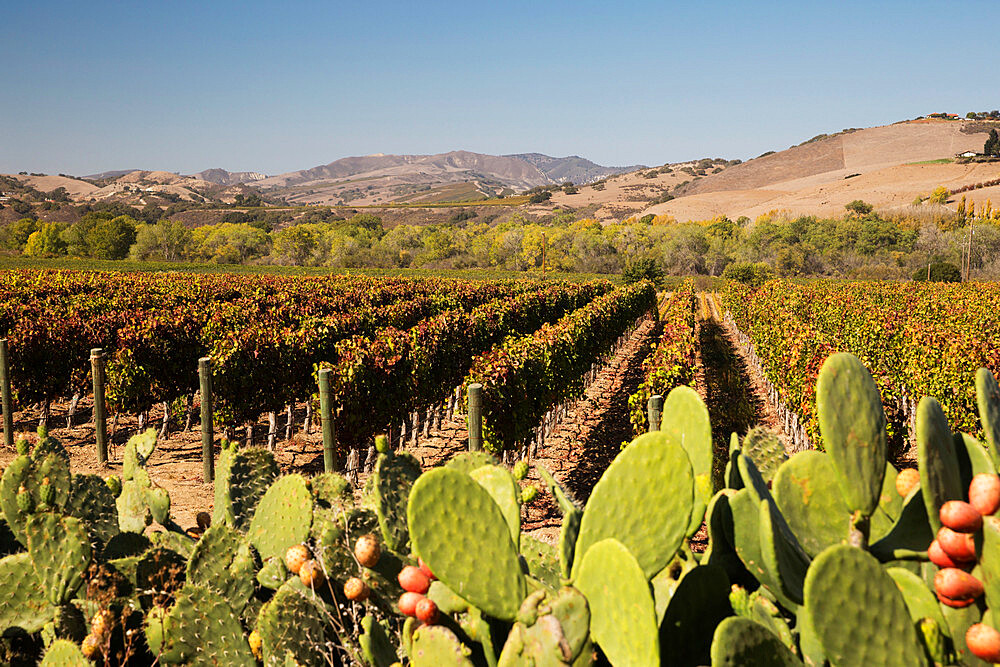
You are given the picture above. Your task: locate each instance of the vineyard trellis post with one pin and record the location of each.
(475, 417)
(8, 409)
(207, 434)
(655, 412)
(100, 409)
(326, 419)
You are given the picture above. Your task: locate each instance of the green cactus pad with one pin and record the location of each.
(959, 621)
(765, 612)
(988, 401)
(242, 479)
(783, 557)
(393, 478)
(746, 531)
(158, 501)
(375, 644)
(437, 646)
(697, 606)
(973, 458)
(446, 599)
(506, 494)
(144, 443)
(940, 478)
(282, 518)
(989, 560)
(568, 536)
(468, 461)
(26, 605)
(686, 422)
(293, 621)
(46, 478)
(273, 573)
(92, 502)
(854, 606)
(763, 446)
(622, 613)
(911, 531)
(222, 560)
(644, 500)
(890, 505)
(450, 516)
(806, 491)
(740, 642)
(199, 629)
(852, 423)
(920, 600)
(133, 512)
(60, 553)
(542, 559)
(721, 548)
(64, 653)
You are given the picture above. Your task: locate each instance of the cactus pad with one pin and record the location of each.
(221, 560)
(763, 446)
(919, 599)
(60, 553)
(568, 536)
(506, 494)
(852, 423)
(199, 629)
(64, 653)
(241, 481)
(562, 496)
(91, 501)
(622, 613)
(806, 491)
(282, 518)
(740, 642)
(783, 557)
(437, 646)
(911, 531)
(293, 622)
(988, 401)
(451, 516)
(375, 644)
(25, 604)
(697, 606)
(644, 500)
(468, 461)
(393, 477)
(854, 607)
(940, 478)
(542, 559)
(686, 423)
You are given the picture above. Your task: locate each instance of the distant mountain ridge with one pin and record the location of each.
(572, 168)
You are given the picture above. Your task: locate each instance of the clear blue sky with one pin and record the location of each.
(277, 86)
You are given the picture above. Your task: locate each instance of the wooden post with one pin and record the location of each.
(654, 410)
(326, 419)
(207, 432)
(100, 413)
(475, 417)
(8, 409)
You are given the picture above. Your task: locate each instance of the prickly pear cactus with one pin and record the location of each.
(437, 646)
(36, 483)
(60, 553)
(505, 493)
(644, 500)
(740, 642)
(242, 478)
(26, 605)
(988, 401)
(852, 423)
(221, 560)
(283, 517)
(622, 613)
(375, 644)
(686, 423)
(468, 461)
(91, 501)
(763, 446)
(940, 478)
(198, 629)
(542, 559)
(808, 495)
(451, 516)
(854, 607)
(293, 622)
(552, 629)
(393, 478)
(64, 653)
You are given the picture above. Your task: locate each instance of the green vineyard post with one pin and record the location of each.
(326, 419)
(654, 409)
(475, 417)
(8, 409)
(100, 410)
(207, 434)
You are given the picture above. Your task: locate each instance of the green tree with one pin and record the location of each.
(859, 207)
(645, 268)
(992, 145)
(46, 241)
(18, 232)
(295, 244)
(942, 272)
(111, 239)
(167, 240)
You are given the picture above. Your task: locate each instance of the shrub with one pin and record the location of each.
(540, 197)
(939, 272)
(859, 207)
(645, 268)
(748, 273)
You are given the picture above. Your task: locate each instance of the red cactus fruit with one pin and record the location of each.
(984, 493)
(960, 547)
(960, 517)
(938, 556)
(984, 642)
(427, 611)
(413, 580)
(426, 570)
(956, 584)
(408, 603)
(367, 550)
(356, 590)
(906, 480)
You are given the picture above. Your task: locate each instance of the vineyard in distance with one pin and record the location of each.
(224, 469)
